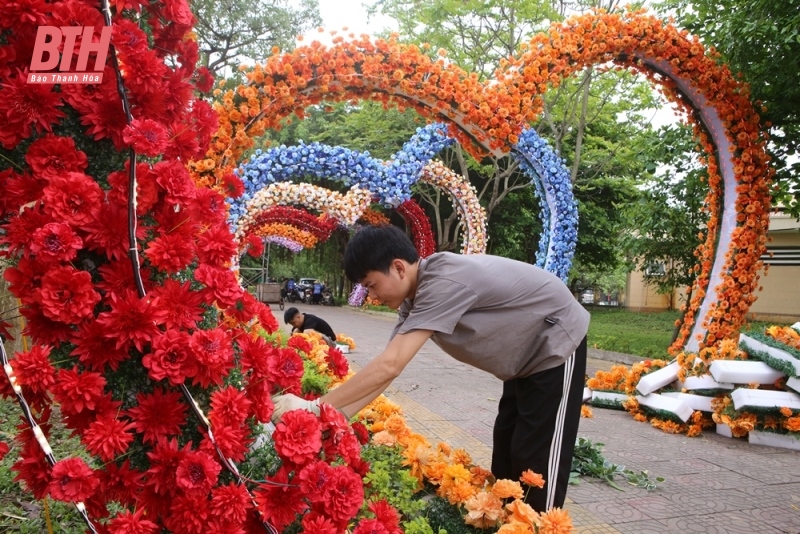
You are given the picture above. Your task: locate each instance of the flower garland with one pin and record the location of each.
(465, 201)
(559, 213)
(488, 118)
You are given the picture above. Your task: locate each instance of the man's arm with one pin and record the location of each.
(376, 376)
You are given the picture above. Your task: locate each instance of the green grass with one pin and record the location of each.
(642, 334)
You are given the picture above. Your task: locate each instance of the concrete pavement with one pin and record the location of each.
(714, 484)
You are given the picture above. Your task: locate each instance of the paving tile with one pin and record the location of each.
(782, 518)
(615, 512)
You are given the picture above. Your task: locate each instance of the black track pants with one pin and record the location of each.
(536, 428)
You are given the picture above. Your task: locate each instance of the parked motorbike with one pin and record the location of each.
(297, 294)
(327, 297)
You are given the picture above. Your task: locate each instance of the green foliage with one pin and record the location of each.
(443, 515)
(261, 461)
(588, 460)
(230, 32)
(313, 381)
(420, 525)
(760, 39)
(389, 479)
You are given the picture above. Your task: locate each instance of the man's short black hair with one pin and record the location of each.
(373, 248)
(289, 314)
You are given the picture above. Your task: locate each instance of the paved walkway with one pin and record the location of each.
(714, 484)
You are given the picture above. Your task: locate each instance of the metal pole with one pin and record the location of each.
(262, 277)
(266, 271)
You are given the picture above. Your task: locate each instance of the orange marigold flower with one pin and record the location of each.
(586, 412)
(792, 424)
(384, 438)
(785, 411)
(555, 521)
(521, 512)
(515, 528)
(532, 479)
(479, 475)
(506, 489)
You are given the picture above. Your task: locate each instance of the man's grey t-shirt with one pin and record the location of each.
(506, 317)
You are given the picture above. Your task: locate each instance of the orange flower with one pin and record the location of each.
(460, 492)
(506, 489)
(792, 424)
(484, 510)
(521, 512)
(586, 412)
(515, 528)
(555, 521)
(384, 438)
(479, 475)
(532, 479)
(786, 412)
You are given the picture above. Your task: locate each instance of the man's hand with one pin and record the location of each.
(289, 402)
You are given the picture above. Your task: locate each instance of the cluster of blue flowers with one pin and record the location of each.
(390, 183)
(559, 213)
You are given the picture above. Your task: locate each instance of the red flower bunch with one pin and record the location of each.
(420, 226)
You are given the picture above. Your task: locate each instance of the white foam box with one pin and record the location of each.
(724, 430)
(796, 326)
(667, 404)
(343, 347)
(744, 372)
(587, 394)
(761, 398)
(794, 383)
(695, 402)
(658, 379)
(704, 382)
(771, 439)
(748, 343)
(609, 396)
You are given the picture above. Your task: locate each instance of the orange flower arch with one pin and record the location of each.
(487, 118)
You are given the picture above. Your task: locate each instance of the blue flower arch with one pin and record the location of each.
(391, 182)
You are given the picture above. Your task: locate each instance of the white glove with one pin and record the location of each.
(289, 402)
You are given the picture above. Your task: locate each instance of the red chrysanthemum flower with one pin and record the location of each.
(171, 358)
(370, 526)
(230, 504)
(216, 246)
(232, 185)
(5, 330)
(281, 501)
(313, 479)
(108, 233)
(127, 522)
(315, 523)
(298, 437)
(255, 245)
(33, 469)
(229, 406)
(174, 178)
(387, 515)
(51, 156)
(208, 205)
(117, 276)
(146, 187)
(21, 226)
(164, 459)
(361, 432)
(25, 279)
(204, 80)
(67, 295)
(253, 353)
(23, 12)
(108, 437)
(27, 107)
(42, 329)
(33, 369)
(180, 305)
(300, 343)
(206, 123)
(170, 252)
(4, 448)
(105, 117)
(232, 441)
(158, 414)
(344, 495)
(78, 390)
(80, 421)
(337, 363)
(120, 483)
(72, 197)
(285, 368)
(187, 514)
(244, 309)
(213, 351)
(266, 319)
(183, 144)
(197, 472)
(131, 319)
(146, 136)
(95, 349)
(72, 480)
(258, 391)
(221, 284)
(55, 242)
